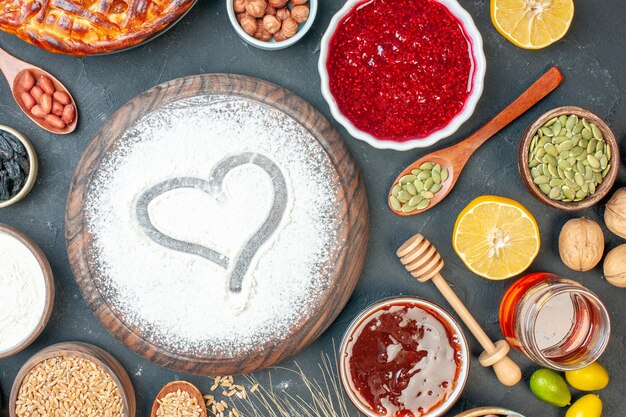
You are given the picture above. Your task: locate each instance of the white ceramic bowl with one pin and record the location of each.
(450, 322)
(272, 45)
(478, 82)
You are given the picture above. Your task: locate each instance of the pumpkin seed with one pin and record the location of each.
(416, 172)
(427, 166)
(555, 193)
(541, 179)
(586, 133)
(545, 188)
(414, 201)
(437, 168)
(407, 208)
(565, 146)
(428, 183)
(424, 175)
(428, 194)
(563, 119)
(395, 203)
(407, 178)
(411, 188)
(605, 171)
(579, 178)
(592, 188)
(419, 185)
(423, 204)
(436, 177)
(578, 128)
(586, 124)
(444, 174)
(396, 189)
(568, 192)
(593, 161)
(556, 182)
(404, 196)
(435, 188)
(547, 131)
(597, 133)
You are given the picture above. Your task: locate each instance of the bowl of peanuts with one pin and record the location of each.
(271, 24)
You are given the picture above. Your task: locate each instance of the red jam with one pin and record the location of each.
(400, 69)
(404, 360)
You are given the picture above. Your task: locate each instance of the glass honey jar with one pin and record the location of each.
(554, 321)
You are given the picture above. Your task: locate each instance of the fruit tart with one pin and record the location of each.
(85, 27)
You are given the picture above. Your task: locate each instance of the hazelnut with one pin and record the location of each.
(240, 16)
(271, 24)
(615, 213)
(270, 10)
(249, 24)
(615, 266)
(300, 13)
(289, 28)
(581, 244)
(283, 14)
(278, 3)
(297, 2)
(261, 33)
(256, 8)
(239, 6)
(279, 36)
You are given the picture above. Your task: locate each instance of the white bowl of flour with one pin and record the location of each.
(26, 291)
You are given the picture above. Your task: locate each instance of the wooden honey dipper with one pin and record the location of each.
(423, 261)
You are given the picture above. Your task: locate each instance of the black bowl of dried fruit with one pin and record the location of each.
(18, 166)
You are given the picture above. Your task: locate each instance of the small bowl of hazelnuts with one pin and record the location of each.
(271, 24)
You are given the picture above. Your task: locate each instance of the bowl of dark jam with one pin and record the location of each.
(404, 357)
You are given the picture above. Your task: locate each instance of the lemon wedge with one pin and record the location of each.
(496, 238)
(532, 24)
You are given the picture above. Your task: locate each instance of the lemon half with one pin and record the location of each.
(496, 238)
(532, 24)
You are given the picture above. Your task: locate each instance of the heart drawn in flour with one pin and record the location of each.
(238, 265)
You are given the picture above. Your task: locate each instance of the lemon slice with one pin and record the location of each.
(496, 238)
(532, 24)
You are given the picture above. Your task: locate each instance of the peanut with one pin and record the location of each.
(55, 121)
(46, 103)
(27, 100)
(68, 113)
(62, 97)
(46, 84)
(37, 112)
(27, 81)
(57, 108)
(37, 93)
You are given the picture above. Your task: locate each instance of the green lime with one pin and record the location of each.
(550, 387)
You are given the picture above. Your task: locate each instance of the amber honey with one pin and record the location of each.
(554, 321)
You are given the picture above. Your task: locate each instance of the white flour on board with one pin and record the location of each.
(181, 301)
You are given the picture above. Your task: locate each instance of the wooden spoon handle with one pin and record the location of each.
(541, 88)
(10, 66)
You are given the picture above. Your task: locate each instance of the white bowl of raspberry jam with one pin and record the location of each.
(401, 74)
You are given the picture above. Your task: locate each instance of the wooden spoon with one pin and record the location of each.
(455, 157)
(13, 70)
(183, 386)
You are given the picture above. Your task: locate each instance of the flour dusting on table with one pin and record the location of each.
(181, 301)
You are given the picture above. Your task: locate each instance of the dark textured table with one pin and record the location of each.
(592, 58)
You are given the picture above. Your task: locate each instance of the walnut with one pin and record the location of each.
(271, 24)
(256, 8)
(615, 266)
(615, 213)
(270, 10)
(283, 14)
(239, 6)
(289, 28)
(581, 244)
(300, 13)
(261, 33)
(278, 3)
(249, 24)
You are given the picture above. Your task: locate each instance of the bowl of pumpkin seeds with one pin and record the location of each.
(569, 158)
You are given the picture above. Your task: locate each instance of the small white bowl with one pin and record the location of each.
(479, 76)
(272, 45)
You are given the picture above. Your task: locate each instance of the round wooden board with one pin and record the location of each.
(353, 225)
